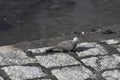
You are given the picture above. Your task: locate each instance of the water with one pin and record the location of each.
(25, 20)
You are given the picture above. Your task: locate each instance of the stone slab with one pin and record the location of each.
(73, 73)
(17, 57)
(58, 59)
(23, 72)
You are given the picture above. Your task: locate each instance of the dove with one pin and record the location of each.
(67, 45)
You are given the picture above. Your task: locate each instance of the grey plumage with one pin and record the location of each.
(67, 45)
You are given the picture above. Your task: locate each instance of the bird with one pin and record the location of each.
(67, 45)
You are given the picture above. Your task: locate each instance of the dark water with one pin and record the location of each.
(5, 27)
(23, 20)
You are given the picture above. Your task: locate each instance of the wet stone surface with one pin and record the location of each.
(91, 61)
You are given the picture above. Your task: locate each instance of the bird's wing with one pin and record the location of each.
(68, 45)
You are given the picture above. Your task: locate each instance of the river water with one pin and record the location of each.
(24, 20)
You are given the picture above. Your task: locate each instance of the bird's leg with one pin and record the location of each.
(68, 51)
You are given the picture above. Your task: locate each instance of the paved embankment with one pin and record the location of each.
(90, 61)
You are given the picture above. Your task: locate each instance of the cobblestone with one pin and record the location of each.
(15, 58)
(22, 72)
(58, 59)
(94, 61)
(73, 73)
(103, 62)
(111, 41)
(93, 49)
(111, 75)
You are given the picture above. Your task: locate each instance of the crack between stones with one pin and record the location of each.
(45, 70)
(4, 75)
(60, 67)
(110, 69)
(89, 56)
(111, 50)
(75, 56)
(97, 74)
(1, 66)
(52, 78)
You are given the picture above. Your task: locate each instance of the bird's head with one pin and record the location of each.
(75, 39)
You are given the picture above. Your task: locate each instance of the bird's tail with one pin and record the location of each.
(50, 49)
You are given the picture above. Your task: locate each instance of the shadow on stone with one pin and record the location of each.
(89, 79)
(78, 49)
